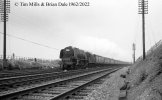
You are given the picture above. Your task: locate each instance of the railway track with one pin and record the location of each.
(60, 88)
(13, 83)
(14, 73)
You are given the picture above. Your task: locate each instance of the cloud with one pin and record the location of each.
(102, 47)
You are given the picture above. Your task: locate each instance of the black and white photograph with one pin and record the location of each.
(80, 50)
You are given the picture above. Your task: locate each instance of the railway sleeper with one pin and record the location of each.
(52, 92)
(77, 83)
(81, 93)
(30, 97)
(42, 94)
(60, 88)
(74, 97)
(84, 90)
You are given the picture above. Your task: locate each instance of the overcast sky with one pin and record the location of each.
(106, 27)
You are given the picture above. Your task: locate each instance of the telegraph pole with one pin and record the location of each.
(4, 10)
(143, 9)
(134, 48)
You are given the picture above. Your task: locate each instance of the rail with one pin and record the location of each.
(45, 90)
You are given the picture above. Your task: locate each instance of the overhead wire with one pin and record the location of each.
(153, 35)
(30, 41)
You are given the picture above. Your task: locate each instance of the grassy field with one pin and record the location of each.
(28, 64)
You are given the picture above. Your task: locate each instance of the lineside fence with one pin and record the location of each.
(28, 59)
(151, 50)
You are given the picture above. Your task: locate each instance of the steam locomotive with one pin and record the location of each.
(75, 58)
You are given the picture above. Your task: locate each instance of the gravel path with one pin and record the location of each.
(110, 89)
